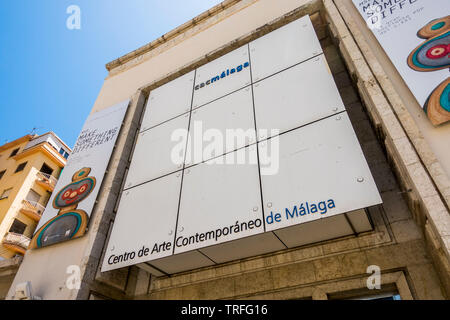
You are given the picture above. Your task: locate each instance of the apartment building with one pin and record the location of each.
(29, 169)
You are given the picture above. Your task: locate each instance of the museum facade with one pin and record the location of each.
(319, 174)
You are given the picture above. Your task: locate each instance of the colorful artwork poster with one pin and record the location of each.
(68, 211)
(415, 34)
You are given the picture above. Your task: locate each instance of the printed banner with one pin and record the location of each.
(416, 36)
(68, 210)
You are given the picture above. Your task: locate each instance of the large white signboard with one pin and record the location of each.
(258, 164)
(67, 213)
(416, 36)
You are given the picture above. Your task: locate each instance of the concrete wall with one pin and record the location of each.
(419, 172)
(8, 269)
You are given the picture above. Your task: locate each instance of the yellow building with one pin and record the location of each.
(29, 169)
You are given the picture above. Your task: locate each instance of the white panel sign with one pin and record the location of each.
(297, 96)
(221, 123)
(308, 176)
(416, 36)
(322, 173)
(215, 196)
(168, 101)
(284, 47)
(148, 209)
(222, 76)
(155, 148)
(67, 213)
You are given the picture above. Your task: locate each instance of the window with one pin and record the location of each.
(33, 196)
(6, 193)
(2, 173)
(46, 169)
(384, 297)
(20, 167)
(15, 151)
(63, 153)
(388, 292)
(18, 227)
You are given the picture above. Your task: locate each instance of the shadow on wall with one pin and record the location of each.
(8, 270)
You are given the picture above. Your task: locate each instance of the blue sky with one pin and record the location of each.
(50, 76)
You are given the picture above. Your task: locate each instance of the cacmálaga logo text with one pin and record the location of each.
(224, 74)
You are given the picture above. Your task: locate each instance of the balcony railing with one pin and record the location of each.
(16, 242)
(32, 209)
(47, 181)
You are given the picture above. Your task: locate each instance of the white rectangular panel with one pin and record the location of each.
(293, 43)
(168, 101)
(244, 248)
(315, 231)
(216, 196)
(145, 223)
(226, 124)
(153, 156)
(222, 76)
(297, 96)
(322, 172)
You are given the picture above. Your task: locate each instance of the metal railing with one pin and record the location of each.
(17, 239)
(33, 206)
(47, 178)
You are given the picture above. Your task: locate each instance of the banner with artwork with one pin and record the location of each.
(69, 208)
(415, 34)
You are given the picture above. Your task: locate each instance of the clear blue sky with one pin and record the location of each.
(50, 76)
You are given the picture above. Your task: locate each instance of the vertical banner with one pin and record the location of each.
(68, 210)
(415, 34)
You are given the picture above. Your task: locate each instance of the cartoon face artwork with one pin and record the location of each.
(433, 55)
(74, 193)
(70, 222)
